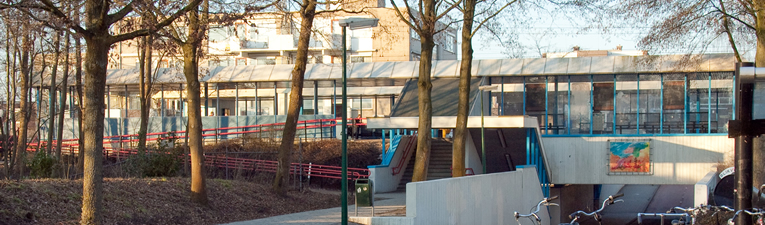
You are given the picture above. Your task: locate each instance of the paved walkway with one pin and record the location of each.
(387, 202)
(636, 199)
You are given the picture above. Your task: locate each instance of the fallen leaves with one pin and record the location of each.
(151, 201)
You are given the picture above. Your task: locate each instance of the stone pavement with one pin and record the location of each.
(636, 199)
(384, 203)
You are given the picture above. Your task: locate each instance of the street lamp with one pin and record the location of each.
(352, 23)
(744, 128)
(481, 89)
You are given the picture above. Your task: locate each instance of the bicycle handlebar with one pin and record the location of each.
(545, 201)
(754, 212)
(609, 201)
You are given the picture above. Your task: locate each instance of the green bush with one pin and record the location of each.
(42, 165)
(161, 160)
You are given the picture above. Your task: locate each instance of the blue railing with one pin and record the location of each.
(535, 157)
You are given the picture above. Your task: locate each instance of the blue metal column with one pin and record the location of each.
(613, 123)
(709, 105)
(592, 103)
(236, 103)
(276, 102)
(568, 108)
(733, 99)
(383, 143)
(316, 108)
(685, 103)
(661, 105)
(638, 105)
(257, 105)
(528, 145)
(524, 96)
(502, 95)
(334, 107)
(546, 108)
(108, 102)
(162, 106)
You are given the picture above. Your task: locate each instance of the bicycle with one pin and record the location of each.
(545, 202)
(755, 212)
(688, 216)
(596, 214)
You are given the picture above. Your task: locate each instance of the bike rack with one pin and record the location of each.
(662, 215)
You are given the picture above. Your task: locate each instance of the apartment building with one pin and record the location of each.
(271, 38)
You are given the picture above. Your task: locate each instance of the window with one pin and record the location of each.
(241, 61)
(241, 31)
(449, 43)
(603, 96)
(358, 59)
(308, 106)
(414, 34)
(535, 97)
(364, 103)
(673, 94)
(217, 34)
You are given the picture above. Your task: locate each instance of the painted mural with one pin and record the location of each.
(629, 156)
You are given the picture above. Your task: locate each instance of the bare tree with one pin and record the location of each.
(100, 15)
(425, 21)
(307, 13)
(468, 10)
(62, 99)
(144, 87)
(52, 92)
(25, 67)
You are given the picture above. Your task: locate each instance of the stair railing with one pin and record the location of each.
(397, 169)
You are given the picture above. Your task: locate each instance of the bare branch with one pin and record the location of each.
(111, 19)
(127, 36)
(491, 17)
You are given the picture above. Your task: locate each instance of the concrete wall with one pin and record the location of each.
(472, 158)
(703, 189)
(481, 199)
(382, 176)
(675, 159)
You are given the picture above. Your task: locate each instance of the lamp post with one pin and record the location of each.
(749, 123)
(481, 89)
(352, 23)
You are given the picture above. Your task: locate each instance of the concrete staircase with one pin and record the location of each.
(439, 165)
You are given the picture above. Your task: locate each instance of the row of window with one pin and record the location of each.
(620, 104)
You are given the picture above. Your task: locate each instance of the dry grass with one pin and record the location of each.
(151, 201)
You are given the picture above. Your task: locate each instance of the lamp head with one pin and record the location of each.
(358, 22)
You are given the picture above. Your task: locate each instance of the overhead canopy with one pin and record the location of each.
(448, 122)
(445, 69)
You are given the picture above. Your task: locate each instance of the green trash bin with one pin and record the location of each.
(365, 195)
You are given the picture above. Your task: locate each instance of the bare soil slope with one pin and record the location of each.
(151, 201)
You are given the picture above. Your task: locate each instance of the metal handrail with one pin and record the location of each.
(397, 169)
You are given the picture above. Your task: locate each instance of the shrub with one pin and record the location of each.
(42, 165)
(161, 160)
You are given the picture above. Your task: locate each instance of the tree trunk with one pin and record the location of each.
(145, 89)
(80, 109)
(12, 86)
(21, 141)
(198, 190)
(52, 94)
(62, 101)
(194, 131)
(424, 86)
(460, 131)
(296, 93)
(96, 59)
